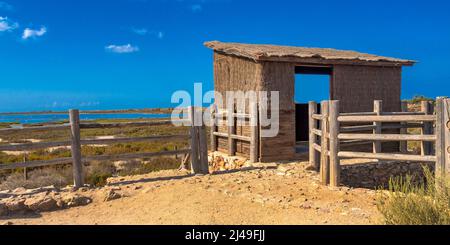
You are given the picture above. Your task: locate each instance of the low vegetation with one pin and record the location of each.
(409, 203)
(96, 172)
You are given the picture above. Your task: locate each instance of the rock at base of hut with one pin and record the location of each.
(41, 203)
(75, 200)
(112, 195)
(16, 205)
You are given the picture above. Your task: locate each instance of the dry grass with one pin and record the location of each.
(406, 203)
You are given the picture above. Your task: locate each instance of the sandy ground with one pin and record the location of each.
(269, 194)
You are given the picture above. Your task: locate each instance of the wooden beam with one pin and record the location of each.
(78, 176)
(440, 138)
(203, 149)
(324, 159)
(214, 123)
(393, 118)
(335, 167)
(314, 156)
(231, 123)
(426, 147)
(377, 109)
(194, 144)
(388, 137)
(387, 156)
(39, 163)
(254, 132)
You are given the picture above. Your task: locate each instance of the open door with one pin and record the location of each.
(312, 83)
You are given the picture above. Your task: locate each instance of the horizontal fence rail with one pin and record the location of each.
(197, 141)
(331, 129)
(224, 117)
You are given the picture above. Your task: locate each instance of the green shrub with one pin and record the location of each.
(419, 98)
(57, 176)
(406, 203)
(98, 172)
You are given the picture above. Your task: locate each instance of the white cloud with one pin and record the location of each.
(122, 49)
(196, 8)
(140, 31)
(6, 6)
(30, 33)
(7, 25)
(145, 31)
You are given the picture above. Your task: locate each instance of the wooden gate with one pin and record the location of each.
(327, 138)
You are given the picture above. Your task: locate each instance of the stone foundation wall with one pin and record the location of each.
(374, 175)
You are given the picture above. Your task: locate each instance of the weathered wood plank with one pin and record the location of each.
(377, 109)
(394, 118)
(254, 133)
(446, 120)
(317, 147)
(314, 154)
(335, 167)
(194, 144)
(231, 123)
(214, 123)
(77, 166)
(33, 146)
(404, 130)
(324, 159)
(387, 137)
(426, 147)
(440, 138)
(317, 116)
(161, 138)
(387, 156)
(32, 164)
(203, 149)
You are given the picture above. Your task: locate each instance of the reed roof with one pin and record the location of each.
(265, 52)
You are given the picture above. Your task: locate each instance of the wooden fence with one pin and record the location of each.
(328, 134)
(252, 119)
(198, 146)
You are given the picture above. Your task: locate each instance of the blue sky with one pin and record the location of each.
(99, 54)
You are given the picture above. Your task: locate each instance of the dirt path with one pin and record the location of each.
(287, 194)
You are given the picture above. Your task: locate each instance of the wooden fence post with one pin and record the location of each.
(314, 156)
(195, 160)
(335, 167)
(442, 137)
(377, 108)
(203, 149)
(213, 127)
(254, 132)
(426, 147)
(77, 164)
(404, 144)
(25, 172)
(324, 160)
(231, 131)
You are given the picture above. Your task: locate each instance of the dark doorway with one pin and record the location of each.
(312, 83)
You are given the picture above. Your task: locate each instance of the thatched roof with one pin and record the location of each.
(262, 52)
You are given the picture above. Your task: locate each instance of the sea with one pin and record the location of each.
(47, 118)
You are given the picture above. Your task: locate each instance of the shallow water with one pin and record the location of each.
(44, 118)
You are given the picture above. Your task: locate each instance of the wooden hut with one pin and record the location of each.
(356, 79)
